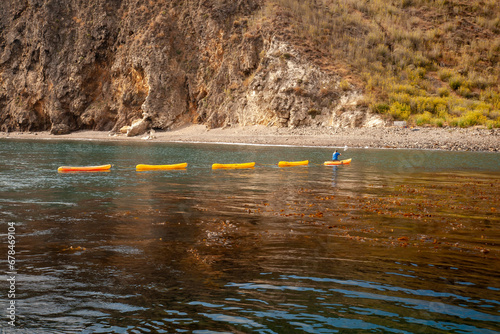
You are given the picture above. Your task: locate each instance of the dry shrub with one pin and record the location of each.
(399, 49)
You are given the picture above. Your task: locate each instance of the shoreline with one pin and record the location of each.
(448, 139)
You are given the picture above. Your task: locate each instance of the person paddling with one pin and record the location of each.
(335, 156)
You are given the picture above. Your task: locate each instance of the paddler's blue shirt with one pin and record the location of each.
(335, 156)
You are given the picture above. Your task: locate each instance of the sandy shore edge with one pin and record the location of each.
(453, 139)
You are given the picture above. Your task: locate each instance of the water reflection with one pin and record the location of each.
(334, 176)
(366, 247)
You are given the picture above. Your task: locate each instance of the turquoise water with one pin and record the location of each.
(399, 241)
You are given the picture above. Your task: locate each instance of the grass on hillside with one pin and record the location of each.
(425, 61)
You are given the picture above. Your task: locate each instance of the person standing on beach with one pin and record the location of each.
(335, 156)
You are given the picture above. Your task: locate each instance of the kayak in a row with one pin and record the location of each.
(234, 166)
(293, 163)
(100, 168)
(143, 167)
(337, 162)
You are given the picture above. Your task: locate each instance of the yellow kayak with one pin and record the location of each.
(84, 168)
(339, 162)
(293, 163)
(142, 167)
(229, 166)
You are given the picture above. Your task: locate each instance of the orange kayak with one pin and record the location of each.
(340, 162)
(84, 168)
(142, 167)
(231, 166)
(293, 163)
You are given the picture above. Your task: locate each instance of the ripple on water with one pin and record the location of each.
(374, 247)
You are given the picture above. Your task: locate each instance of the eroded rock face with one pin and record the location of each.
(288, 91)
(101, 64)
(138, 127)
(60, 129)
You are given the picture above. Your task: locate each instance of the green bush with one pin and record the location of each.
(492, 97)
(456, 81)
(452, 121)
(382, 51)
(403, 98)
(445, 74)
(424, 118)
(471, 118)
(465, 92)
(344, 85)
(400, 111)
(380, 108)
(408, 89)
(494, 115)
(443, 92)
(492, 124)
(422, 104)
(437, 121)
(476, 80)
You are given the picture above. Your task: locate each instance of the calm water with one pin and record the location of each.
(397, 242)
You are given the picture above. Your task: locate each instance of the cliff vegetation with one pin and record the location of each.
(70, 65)
(426, 61)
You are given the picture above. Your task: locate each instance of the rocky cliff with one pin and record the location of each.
(67, 65)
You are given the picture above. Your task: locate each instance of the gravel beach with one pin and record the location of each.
(452, 139)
